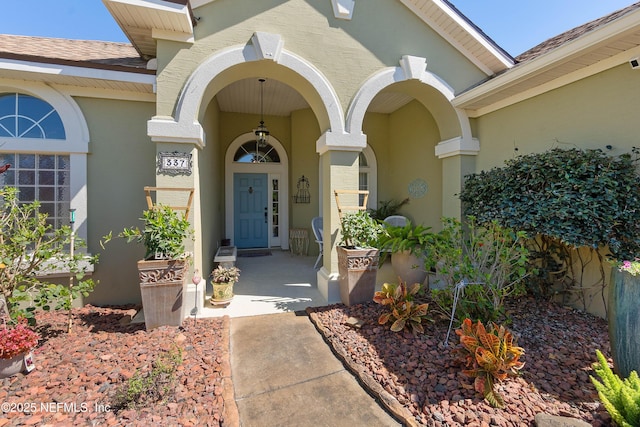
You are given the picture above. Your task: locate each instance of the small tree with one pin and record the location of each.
(29, 247)
(564, 200)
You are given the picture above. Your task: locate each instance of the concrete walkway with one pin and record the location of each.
(284, 374)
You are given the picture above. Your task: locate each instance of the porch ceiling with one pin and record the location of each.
(280, 99)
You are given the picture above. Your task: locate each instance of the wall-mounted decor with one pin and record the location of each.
(174, 163)
(418, 188)
(302, 195)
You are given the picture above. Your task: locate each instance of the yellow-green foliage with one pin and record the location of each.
(492, 355)
(621, 398)
(403, 311)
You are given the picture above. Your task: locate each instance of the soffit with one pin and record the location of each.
(461, 33)
(569, 57)
(140, 18)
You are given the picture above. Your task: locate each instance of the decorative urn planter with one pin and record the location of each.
(163, 286)
(624, 322)
(358, 269)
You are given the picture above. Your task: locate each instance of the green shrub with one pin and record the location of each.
(387, 208)
(491, 259)
(620, 398)
(563, 200)
(145, 388)
(30, 248)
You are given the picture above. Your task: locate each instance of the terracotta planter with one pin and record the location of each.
(358, 269)
(10, 367)
(222, 293)
(162, 286)
(624, 322)
(409, 267)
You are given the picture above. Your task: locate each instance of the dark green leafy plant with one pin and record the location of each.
(29, 249)
(359, 230)
(491, 354)
(404, 312)
(574, 198)
(407, 238)
(621, 398)
(163, 235)
(387, 208)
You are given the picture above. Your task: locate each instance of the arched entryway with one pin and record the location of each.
(256, 193)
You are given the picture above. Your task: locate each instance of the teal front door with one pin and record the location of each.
(251, 220)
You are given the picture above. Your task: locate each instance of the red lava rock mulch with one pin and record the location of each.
(77, 374)
(417, 378)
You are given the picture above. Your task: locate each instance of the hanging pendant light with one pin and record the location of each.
(262, 134)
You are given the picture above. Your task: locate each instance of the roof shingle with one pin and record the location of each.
(82, 53)
(573, 34)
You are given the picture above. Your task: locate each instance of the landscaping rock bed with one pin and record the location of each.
(417, 377)
(77, 374)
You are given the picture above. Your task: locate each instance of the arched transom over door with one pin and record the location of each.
(256, 193)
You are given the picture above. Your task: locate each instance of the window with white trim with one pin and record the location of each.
(363, 176)
(25, 116)
(44, 177)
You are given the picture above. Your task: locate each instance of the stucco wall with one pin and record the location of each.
(413, 137)
(346, 52)
(304, 161)
(211, 161)
(120, 163)
(590, 113)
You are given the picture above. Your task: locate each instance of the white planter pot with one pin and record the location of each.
(408, 267)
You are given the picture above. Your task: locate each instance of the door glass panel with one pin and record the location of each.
(275, 205)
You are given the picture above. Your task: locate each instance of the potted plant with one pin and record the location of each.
(163, 271)
(407, 245)
(358, 257)
(16, 344)
(222, 280)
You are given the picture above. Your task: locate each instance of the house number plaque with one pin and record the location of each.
(175, 163)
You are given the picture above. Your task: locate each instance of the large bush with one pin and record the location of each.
(566, 199)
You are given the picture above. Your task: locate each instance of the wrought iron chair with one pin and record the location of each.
(316, 226)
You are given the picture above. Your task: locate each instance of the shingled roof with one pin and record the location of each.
(79, 53)
(573, 34)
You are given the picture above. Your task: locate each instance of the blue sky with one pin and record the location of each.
(516, 25)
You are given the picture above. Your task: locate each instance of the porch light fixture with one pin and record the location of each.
(262, 134)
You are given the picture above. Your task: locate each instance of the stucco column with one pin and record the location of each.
(458, 159)
(339, 171)
(180, 198)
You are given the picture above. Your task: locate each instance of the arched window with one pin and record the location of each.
(42, 176)
(368, 176)
(252, 152)
(25, 116)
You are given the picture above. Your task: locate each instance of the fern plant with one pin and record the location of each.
(403, 311)
(492, 356)
(621, 398)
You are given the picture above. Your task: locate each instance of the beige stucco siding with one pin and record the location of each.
(211, 181)
(590, 113)
(346, 52)
(120, 163)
